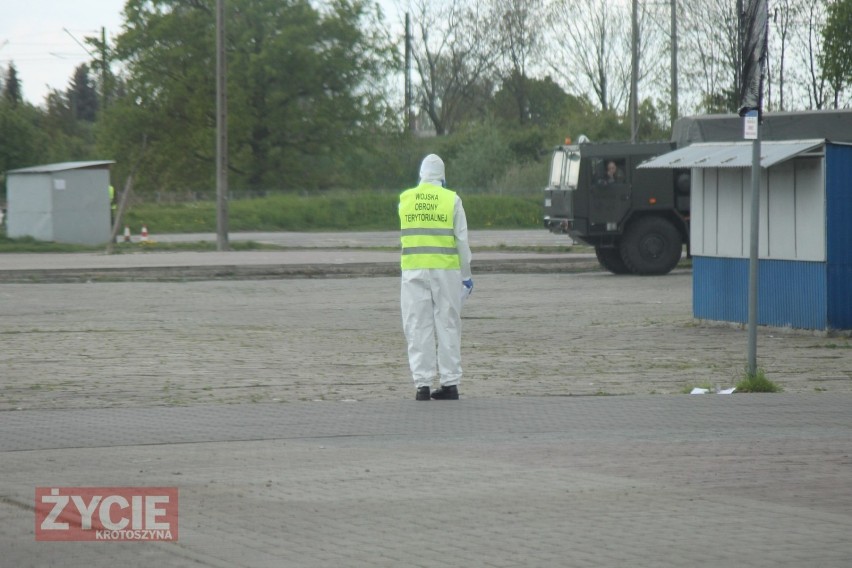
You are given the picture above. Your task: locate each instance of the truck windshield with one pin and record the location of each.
(565, 169)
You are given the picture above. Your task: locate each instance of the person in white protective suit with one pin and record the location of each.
(435, 277)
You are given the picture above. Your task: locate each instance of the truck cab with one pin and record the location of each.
(637, 220)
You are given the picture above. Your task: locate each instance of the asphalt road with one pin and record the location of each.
(373, 239)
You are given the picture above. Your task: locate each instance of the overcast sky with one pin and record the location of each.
(33, 35)
(41, 37)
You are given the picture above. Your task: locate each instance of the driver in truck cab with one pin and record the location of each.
(612, 174)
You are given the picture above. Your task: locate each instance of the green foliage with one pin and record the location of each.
(836, 57)
(31, 135)
(501, 212)
(83, 99)
(651, 126)
(29, 244)
(299, 91)
(526, 180)
(757, 383)
(720, 102)
(22, 142)
(12, 86)
(333, 211)
(475, 157)
(310, 108)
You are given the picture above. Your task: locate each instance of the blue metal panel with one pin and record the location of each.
(790, 293)
(839, 296)
(838, 203)
(720, 288)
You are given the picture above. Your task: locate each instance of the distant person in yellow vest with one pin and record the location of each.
(112, 205)
(435, 273)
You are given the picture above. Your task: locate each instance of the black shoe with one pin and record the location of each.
(446, 393)
(423, 393)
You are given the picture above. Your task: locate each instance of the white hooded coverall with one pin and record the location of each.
(431, 302)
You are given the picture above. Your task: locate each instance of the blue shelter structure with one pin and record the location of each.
(805, 238)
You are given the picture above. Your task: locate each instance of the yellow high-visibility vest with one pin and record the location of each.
(426, 220)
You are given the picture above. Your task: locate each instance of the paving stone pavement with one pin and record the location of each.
(669, 481)
(179, 343)
(282, 411)
(312, 255)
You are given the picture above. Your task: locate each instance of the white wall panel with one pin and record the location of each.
(711, 210)
(696, 220)
(792, 212)
(781, 204)
(730, 217)
(810, 210)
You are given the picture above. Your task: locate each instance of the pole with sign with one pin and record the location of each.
(755, 24)
(752, 132)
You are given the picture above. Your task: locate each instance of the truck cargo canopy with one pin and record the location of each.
(734, 154)
(834, 125)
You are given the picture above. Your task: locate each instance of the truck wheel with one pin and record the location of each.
(651, 245)
(610, 258)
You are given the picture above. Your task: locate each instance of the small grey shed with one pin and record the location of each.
(66, 202)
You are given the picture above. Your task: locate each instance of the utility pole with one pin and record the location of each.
(674, 111)
(221, 132)
(409, 115)
(738, 64)
(634, 74)
(104, 87)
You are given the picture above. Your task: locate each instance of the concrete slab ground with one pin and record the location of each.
(87, 345)
(282, 412)
(656, 481)
(305, 255)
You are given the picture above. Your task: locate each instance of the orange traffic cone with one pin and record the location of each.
(126, 234)
(144, 237)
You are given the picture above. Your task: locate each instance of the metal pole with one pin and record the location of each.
(409, 116)
(753, 255)
(221, 132)
(104, 87)
(675, 112)
(634, 74)
(738, 64)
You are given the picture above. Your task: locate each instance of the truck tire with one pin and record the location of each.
(651, 245)
(610, 258)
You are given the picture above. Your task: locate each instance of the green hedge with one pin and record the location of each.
(331, 212)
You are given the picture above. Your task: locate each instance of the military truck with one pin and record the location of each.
(638, 219)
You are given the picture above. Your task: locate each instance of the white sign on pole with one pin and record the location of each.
(750, 126)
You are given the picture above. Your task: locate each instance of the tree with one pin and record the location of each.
(812, 55)
(786, 11)
(101, 66)
(793, 71)
(12, 86)
(518, 41)
(304, 87)
(82, 96)
(711, 54)
(591, 53)
(837, 50)
(23, 143)
(454, 55)
(309, 88)
(591, 45)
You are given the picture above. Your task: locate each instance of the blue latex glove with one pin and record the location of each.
(469, 285)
